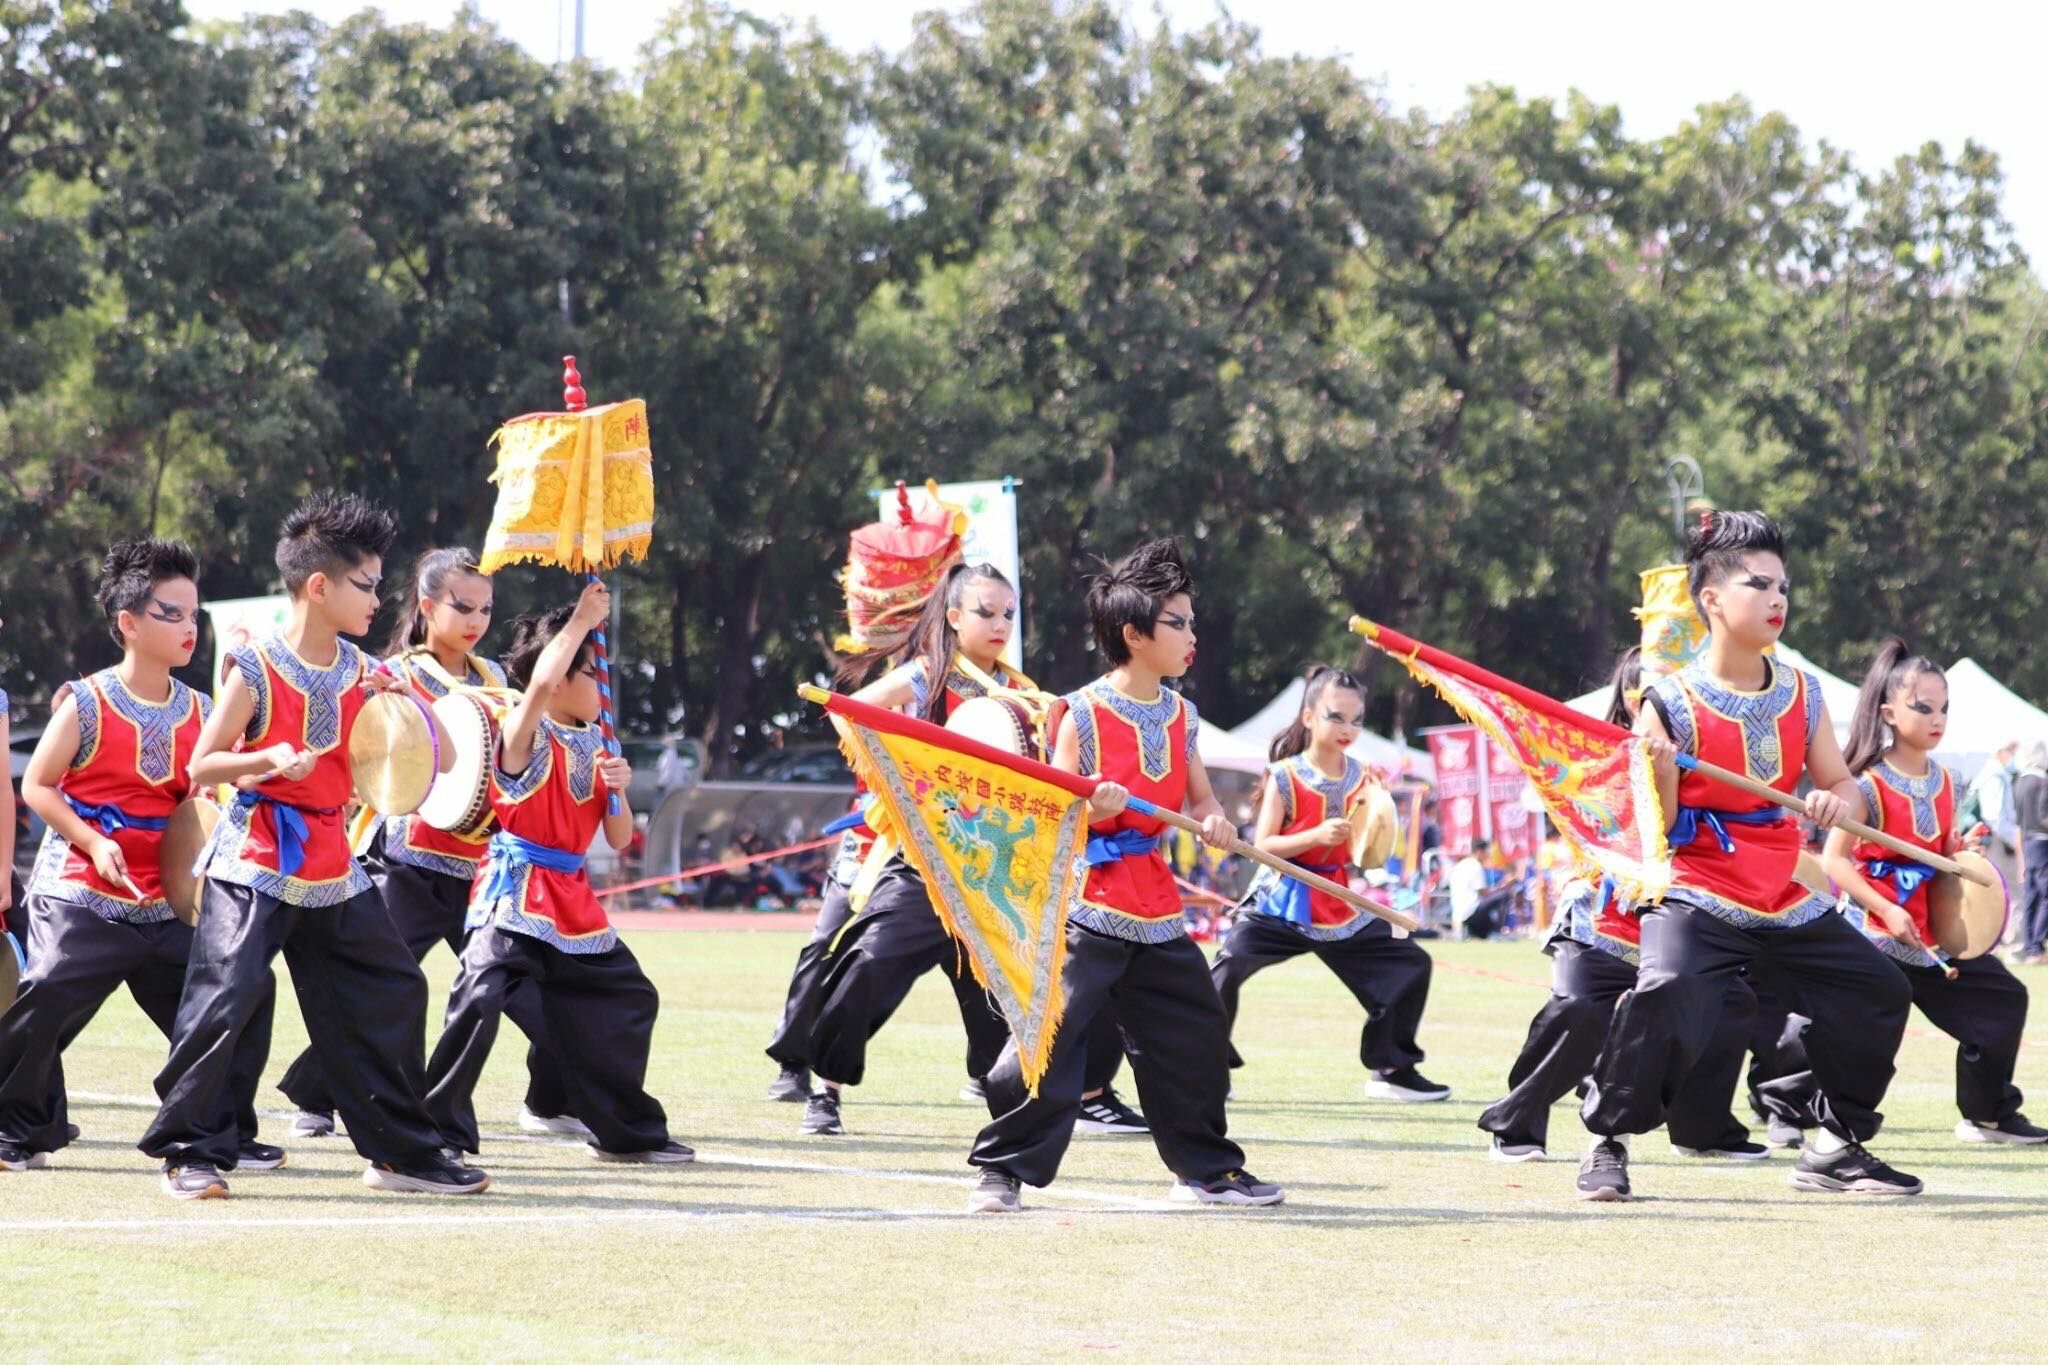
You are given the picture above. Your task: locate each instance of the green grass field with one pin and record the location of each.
(1399, 1239)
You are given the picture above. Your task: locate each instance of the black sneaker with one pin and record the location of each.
(14, 1157)
(258, 1156)
(1108, 1114)
(1501, 1149)
(1849, 1171)
(821, 1115)
(1726, 1151)
(2013, 1130)
(997, 1192)
(1603, 1175)
(313, 1123)
(973, 1091)
(668, 1154)
(438, 1175)
(71, 1132)
(1406, 1086)
(1237, 1187)
(792, 1085)
(193, 1180)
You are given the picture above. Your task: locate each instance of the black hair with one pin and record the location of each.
(133, 568)
(934, 641)
(435, 570)
(1628, 677)
(1133, 591)
(1891, 672)
(1715, 546)
(530, 635)
(331, 533)
(1319, 679)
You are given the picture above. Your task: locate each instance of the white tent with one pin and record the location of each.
(1983, 713)
(1222, 751)
(1840, 695)
(1278, 713)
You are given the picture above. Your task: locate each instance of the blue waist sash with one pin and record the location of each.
(857, 816)
(508, 853)
(1125, 843)
(111, 818)
(1288, 898)
(292, 832)
(1686, 827)
(1905, 877)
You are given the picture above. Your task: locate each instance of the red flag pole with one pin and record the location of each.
(909, 727)
(1401, 646)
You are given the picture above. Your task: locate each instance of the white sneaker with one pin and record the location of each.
(563, 1125)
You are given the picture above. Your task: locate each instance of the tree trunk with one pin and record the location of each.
(739, 626)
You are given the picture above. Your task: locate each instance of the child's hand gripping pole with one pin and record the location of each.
(1280, 865)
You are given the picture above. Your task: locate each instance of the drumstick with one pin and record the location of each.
(1855, 827)
(1278, 864)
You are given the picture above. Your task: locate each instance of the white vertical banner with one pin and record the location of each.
(991, 537)
(239, 620)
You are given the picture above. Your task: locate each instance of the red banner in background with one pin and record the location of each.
(1461, 812)
(1514, 828)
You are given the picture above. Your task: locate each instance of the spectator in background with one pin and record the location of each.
(670, 771)
(1989, 803)
(2030, 810)
(1468, 881)
(1432, 832)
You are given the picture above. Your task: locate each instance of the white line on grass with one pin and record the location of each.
(1107, 1202)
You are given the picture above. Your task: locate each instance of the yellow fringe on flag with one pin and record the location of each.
(575, 489)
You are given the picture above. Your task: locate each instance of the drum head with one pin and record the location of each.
(1374, 827)
(997, 722)
(460, 797)
(191, 826)
(1967, 919)
(391, 753)
(1811, 875)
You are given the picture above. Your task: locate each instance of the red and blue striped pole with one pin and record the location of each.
(574, 399)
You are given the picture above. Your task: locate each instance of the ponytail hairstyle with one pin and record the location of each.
(1715, 546)
(933, 639)
(1891, 672)
(132, 568)
(1319, 679)
(1628, 682)
(434, 572)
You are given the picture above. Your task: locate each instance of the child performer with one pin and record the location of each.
(424, 874)
(534, 917)
(1127, 943)
(1594, 948)
(897, 937)
(105, 777)
(1905, 701)
(1733, 900)
(1312, 783)
(279, 878)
